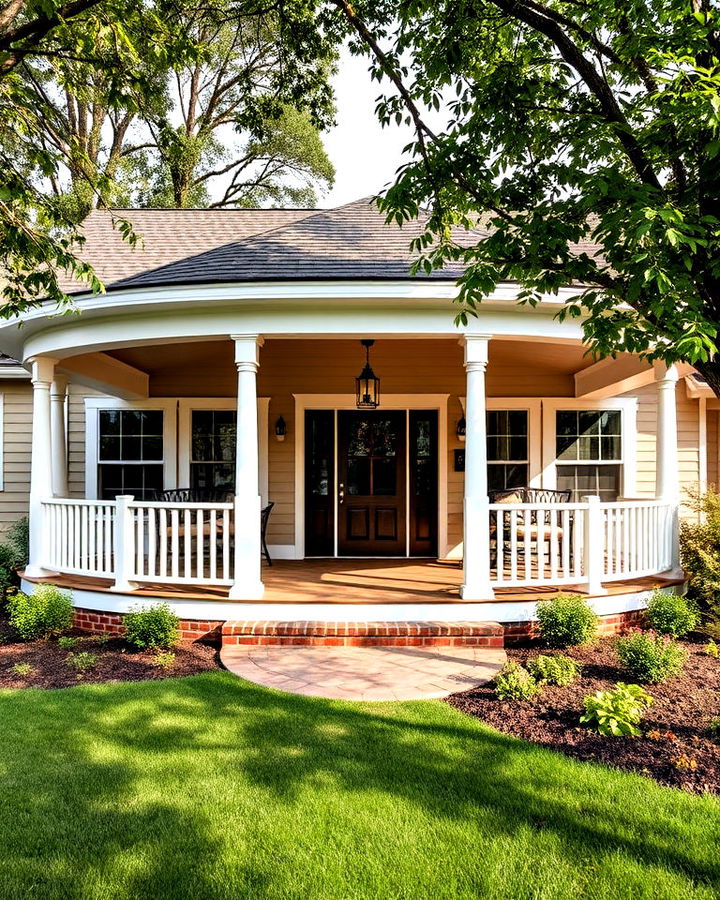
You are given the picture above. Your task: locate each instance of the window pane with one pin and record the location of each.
(603, 481)
(588, 434)
(130, 447)
(130, 421)
(589, 422)
(611, 447)
(610, 421)
(507, 434)
(502, 476)
(109, 447)
(358, 475)
(567, 422)
(212, 476)
(141, 481)
(213, 436)
(152, 447)
(384, 477)
(109, 421)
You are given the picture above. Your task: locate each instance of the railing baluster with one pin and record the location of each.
(226, 544)
(187, 543)
(213, 544)
(163, 528)
(513, 545)
(175, 542)
(199, 543)
(554, 546)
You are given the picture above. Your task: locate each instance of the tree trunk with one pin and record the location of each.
(710, 371)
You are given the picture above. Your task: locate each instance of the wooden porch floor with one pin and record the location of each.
(365, 581)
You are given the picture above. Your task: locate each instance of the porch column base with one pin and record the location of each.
(124, 587)
(38, 572)
(474, 593)
(243, 591)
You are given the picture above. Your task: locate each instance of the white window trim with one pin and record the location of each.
(628, 463)
(337, 402)
(93, 405)
(186, 405)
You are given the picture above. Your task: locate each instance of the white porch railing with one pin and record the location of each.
(532, 544)
(537, 544)
(128, 541)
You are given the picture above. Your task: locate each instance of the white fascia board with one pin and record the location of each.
(610, 377)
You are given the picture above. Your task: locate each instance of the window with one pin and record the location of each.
(130, 453)
(212, 455)
(507, 448)
(588, 446)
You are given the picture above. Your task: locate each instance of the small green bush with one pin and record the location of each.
(67, 643)
(714, 729)
(617, 713)
(560, 670)
(22, 669)
(650, 658)
(165, 659)
(45, 612)
(672, 614)
(566, 621)
(515, 683)
(18, 537)
(712, 649)
(700, 557)
(152, 627)
(8, 561)
(81, 662)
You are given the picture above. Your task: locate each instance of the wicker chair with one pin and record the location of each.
(203, 495)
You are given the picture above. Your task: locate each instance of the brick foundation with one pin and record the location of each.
(99, 622)
(520, 632)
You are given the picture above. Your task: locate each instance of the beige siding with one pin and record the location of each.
(713, 447)
(17, 438)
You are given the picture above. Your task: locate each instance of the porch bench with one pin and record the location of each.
(538, 532)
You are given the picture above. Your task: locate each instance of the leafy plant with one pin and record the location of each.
(22, 669)
(650, 658)
(45, 612)
(165, 659)
(67, 643)
(514, 682)
(712, 649)
(700, 556)
(81, 662)
(18, 538)
(152, 627)
(617, 712)
(672, 614)
(566, 621)
(560, 670)
(714, 729)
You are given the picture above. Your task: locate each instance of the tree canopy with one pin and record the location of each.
(563, 123)
(119, 103)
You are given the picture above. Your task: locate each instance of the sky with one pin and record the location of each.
(364, 154)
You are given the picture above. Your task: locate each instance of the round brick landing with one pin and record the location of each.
(365, 673)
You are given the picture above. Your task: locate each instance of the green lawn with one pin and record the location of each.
(209, 787)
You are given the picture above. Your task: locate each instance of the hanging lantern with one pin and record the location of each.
(367, 384)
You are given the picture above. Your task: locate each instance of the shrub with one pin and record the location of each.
(712, 649)
(82, 661)
(152, 627)
(650, 658)
(47, 611)
(714, 729)
(67, 643)
(18, 538)
(700, 557)
(8, 576)
(672, 614)
(566, 621)
(22, 669)
(165, 659)
(617, 712)
(559, 670)
(515, 683)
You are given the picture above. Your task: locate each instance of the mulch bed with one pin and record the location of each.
(675, 748)
(115, 661)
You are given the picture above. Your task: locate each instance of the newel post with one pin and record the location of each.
(476, 514)
(124, 544)
(41, 487)
(247, 580)
(594, 546)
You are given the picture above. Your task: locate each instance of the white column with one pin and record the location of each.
(41, 461)
(667, 483)
(476, 519)
(247, 583)
(58, 395)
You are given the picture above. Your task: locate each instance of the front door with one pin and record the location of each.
(371, 483)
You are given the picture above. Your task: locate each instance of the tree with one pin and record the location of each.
(566, 121)
(74, 94)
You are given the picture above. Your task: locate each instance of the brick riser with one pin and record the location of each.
(364, 634)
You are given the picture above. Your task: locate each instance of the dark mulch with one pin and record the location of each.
(681, 755)
(115, 661)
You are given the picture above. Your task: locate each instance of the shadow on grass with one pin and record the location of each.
(77, 820)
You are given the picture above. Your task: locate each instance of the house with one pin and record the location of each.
(224, 358)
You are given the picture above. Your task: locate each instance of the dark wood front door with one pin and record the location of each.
(372, 483)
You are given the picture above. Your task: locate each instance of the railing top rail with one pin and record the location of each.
(537, 506)
(79, 501)
(162, 504)
(634, 504)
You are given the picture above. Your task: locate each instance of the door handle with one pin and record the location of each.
(341, 493)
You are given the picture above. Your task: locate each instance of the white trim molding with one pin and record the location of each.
(337, 402)
(2, 442)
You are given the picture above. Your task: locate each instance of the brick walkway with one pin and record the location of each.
(365, 673)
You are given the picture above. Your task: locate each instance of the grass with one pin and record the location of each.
(209, 787)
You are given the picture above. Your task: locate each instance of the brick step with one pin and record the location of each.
(364, 634)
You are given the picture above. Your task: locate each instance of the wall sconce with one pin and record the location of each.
(461, 429)
(280, 429)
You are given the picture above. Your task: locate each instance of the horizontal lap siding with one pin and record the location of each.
(713, 423)
(17, 442)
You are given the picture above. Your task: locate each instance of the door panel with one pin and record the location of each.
(319, 482)
(423, 482)
(371, 483)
